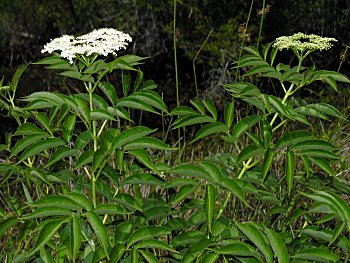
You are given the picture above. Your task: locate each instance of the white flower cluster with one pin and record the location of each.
(102, 41)
(302, 42)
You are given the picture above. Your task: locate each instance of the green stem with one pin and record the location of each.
(243, 38)
(93, 186)
(261, 23)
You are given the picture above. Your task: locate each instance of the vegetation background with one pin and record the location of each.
(25, 26)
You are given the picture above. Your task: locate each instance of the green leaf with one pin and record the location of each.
(7, 224)
(182, 110)
(151, 258)
(192, 170)
(248, 152)
(143, 157)
(77, 75)
(48, 211)
(85, 158)
(266, 133)
(75, 237)
(245, 124)
(260, 69)
(109, 91)
(229, 114)
(320, 154)
(80, 199)
(187, 237)
(147, 233)
(290, 167)
(28, 129)
(15, 79)
(253, 50)
(314, 145)
(326, 109)
(293, 138)
(257, 238)
(150, 97)
(128, 201)
(191, 120)
(145, 179)
(195, 250)
(198, 105)
(147, 142)
(60, 154)
(268, 159)
(44, 121)
(41, 146)
(317, 254)
(99, 229)
(100, 157)
(209, 105)
(49, 60)
(101, 114)
(278, 246)
(212, 170)
(209, 129)
(110, 209)
(57, 201)
(96, 67)
(154, 244)
(68, 127)
(209, 201)
(83, 139)
(82, 110)
(135, 104)
(236, 248)
(46, 233)
(26, 142)
(130, 135)
(183, 192)
(233, 187)
(323, 164)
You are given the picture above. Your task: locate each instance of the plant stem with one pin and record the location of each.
(261, 23)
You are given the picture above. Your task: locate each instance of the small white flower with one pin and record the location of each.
(302, 42)
(102, 41)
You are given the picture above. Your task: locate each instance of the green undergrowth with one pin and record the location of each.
(261, 181)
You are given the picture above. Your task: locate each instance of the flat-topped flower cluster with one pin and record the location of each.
(102, 41)
(302, 42)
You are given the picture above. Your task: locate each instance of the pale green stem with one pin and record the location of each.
(261, 23)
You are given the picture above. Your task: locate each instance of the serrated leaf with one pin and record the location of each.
(290, 167)
(195, 250)
(229, 114)
(101, 114)
(245, 124)
(100, 158)
(130, 135)
(152, 98)
(183, 110)
(278, 246)
(188, 237)
(109, 91)
(57, 201)
(28, 129)
(260, 69)
(60, 154)
(68, 127)
(48, 211)
(80, 199)
(147, 142)
(128, 201)
(320, 153)
(209, 129)
(134, 103)
(232, 186)
(83, 139)
(75, 237)
(314, 145)
(46, 234)
(209, 202)
(268, 159)
(192, 170)
(49, 60)
(252, 50)
(255, 236)
(198, 105)
(7, 224)
(154, 244)
(41, 146)
(212, 170)
(143, 157)
(191, 120)
(150, 258)
(26, 142)
(147, 233)
(323, 164)
(317, 254)
(99, 229)
(144, 178)
(209, 105)
(110, 209)
(293, 138)
(183, 192)
(248, 152)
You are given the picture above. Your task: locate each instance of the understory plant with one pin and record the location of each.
(86, 183)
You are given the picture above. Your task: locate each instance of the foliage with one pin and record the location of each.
(99, 187)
